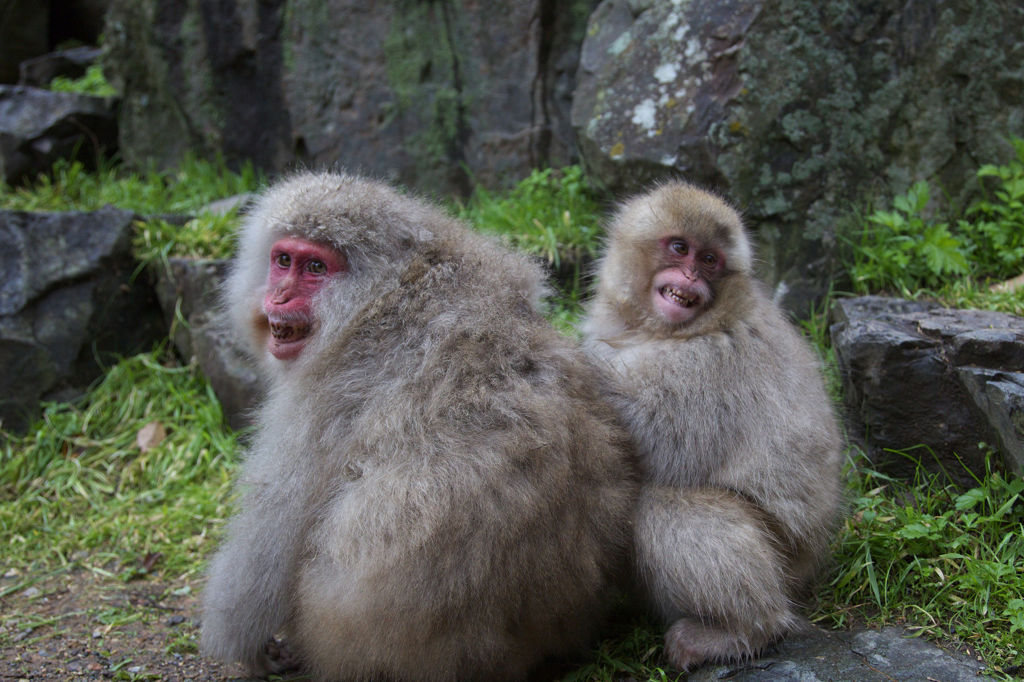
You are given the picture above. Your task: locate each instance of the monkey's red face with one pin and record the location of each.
(682, 289)
(299, 268)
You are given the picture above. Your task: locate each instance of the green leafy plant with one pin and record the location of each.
(93, 82)
(901, 250)
(995, 225)
(907, 249)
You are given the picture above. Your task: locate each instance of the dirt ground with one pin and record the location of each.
(84, 626)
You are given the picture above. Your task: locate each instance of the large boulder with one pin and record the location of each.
(189, 294)
(799, 110)
(37, 127)
(428, 93)
(932, 382)
(70, 304)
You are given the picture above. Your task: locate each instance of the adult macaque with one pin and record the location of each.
(738, 444)
(435, 490)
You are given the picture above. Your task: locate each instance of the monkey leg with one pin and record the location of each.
(711, 568)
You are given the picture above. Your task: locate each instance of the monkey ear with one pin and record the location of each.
(743, 253)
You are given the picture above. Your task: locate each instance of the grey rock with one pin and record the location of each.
(937, 381)
(189, 294)
(653, 78)
(799, 110)
(72, 63)
(229, 369)
(71, 303)
(428, 94)
(862, 655)
(37, 127)
(1000, 397)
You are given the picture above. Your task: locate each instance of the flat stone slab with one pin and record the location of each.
(891, 653)
(918, 374)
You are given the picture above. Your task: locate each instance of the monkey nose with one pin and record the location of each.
(281, 294)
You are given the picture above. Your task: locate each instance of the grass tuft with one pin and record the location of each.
(91, 483)
(155, 194)
(70, 186)
(947, 563)
(92, 82)
(552, 214)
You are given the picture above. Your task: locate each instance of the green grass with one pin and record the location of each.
(71, 187)
(632, 650)
(946, 562)
(552, 214)
(78, 488)
(970, 294)
(92, 82)
(152, 193)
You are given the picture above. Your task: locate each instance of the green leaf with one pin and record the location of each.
(943, 252)
(916, 530)
(970, 499)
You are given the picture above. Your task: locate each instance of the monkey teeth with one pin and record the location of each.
(287, 332)
(683, 299)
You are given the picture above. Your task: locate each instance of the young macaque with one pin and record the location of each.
(435, 490)
(739, 449)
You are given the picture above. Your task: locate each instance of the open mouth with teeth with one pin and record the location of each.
(287, 333)
(677, 299)
(287, 337)
(686, 299)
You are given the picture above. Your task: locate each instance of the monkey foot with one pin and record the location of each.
(689, 643)
(279, 657)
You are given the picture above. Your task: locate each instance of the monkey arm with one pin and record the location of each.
(250, 578)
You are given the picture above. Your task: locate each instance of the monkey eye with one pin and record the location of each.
(709, 259)
(679, 246)
(316, 267)
(283, 260)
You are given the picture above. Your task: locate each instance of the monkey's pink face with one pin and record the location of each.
(682, 289)
(299, 268)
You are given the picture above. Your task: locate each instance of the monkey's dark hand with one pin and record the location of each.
(278, 657)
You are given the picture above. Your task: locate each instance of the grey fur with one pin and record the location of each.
(738, 443)
(435, 490)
